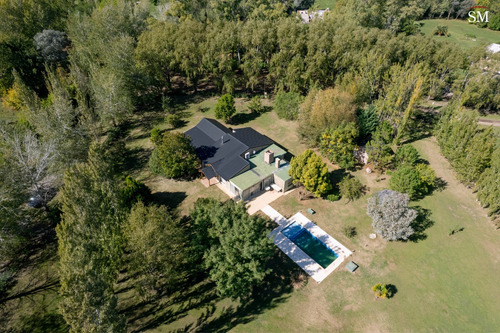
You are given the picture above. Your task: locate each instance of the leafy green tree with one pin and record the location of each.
(467, 147)
(239, 246)
(309, 170)
(391, 216)
(286, 105)
(90, 246)
(380, 154)
(406, 155)
(255, 105)
(338, 144)
(135, 191)
(414, 180)
(350, 188)
(381, 291)
(325, 109)
(441, 30)
(494, 22)
(402, 89)
(488, 191)
(367, 121)
(225, 107)
(157, 251)
(174, 157)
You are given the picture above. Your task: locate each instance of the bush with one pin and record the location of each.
(441, 30)
(382, 291)
(350, 188)
(225, 108)
(349, 231)
(286, 105)
(173, 120)
(255, 105)
(333, 197)
(494, 22)
(155, 136)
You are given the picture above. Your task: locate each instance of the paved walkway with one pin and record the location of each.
(305, 262)
(263, 200)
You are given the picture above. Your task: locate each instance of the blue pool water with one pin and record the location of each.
(312, 246)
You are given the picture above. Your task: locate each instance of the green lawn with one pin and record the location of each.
(458, 30)
(323, 4)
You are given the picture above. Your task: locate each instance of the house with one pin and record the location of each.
(242, 160)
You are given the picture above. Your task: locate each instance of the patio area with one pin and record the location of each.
(291, 249)
(263, 200)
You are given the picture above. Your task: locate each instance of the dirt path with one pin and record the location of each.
(488, 122)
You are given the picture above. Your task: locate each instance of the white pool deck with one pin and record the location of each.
(305, 262)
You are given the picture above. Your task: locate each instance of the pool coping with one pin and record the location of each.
(309, 265)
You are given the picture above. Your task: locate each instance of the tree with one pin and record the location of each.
(391, 216)
(309, 170)
(382, 291)
(379, 153)
(135, 191)
(488, 190)
(367, 121)
(157, 249)
(255, 105)
(51, 45)
(325, 109)
(174, 157)
(407, 180)
(441, 30)
(338, 144)
(286, 105)
(406, 155)
(494, 22)
(225, 107)
(350, 188)
(90, 246)
(239, 246)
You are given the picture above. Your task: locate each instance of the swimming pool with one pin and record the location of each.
(312, 246)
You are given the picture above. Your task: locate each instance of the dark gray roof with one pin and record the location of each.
(208, 172)
(222, 148)
(251, 137)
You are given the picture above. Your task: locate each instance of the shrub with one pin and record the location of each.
(309, 170)
(225, 108)
(333, 197)
(441, 30)
(367, 121)
(255, 105)
(173, 120)
(382, 291)
(155, 136)
(494, 22)
(349, 231)
(350, 188)
(286, 105)
(416, 181)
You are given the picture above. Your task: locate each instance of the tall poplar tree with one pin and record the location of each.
(90, 246)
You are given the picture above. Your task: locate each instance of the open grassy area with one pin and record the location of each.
(458, 29)
(323, 4)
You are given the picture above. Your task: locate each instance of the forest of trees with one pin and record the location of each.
(73, 72)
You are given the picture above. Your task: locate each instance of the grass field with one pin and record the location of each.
(444, 283)
(323, 4)
(458, 29)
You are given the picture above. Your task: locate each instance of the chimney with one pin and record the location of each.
(277, 162)
(268, 157)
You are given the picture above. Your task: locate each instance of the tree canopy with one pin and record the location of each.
(309, 170)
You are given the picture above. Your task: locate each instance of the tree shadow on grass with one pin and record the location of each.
(244, 117)
(136, 159)
(170, 199)
(421, 223)
(391, 290)
(421, 125)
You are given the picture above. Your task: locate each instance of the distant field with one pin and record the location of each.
(323, 4)
(459, 29)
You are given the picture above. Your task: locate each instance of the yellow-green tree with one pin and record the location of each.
(309, 170)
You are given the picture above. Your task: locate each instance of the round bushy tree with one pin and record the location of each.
(309, 170)
(286, 105)
(174, 157)
(225, 107)
(416, 181)
(338, 144)
(392, 218)
(350, 188)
